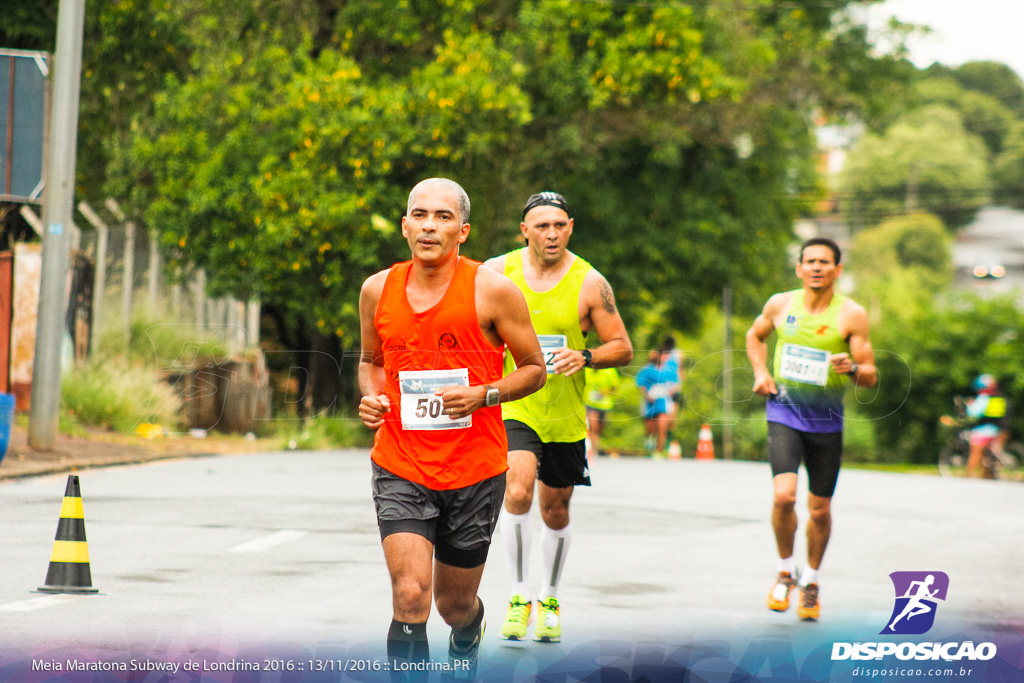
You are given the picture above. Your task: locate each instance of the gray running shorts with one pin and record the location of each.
(459, 522)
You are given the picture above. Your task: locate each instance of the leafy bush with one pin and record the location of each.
(119, 396)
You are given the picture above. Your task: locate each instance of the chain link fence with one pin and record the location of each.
(129, 283)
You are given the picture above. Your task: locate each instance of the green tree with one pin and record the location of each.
(928, 351)
(916, 242)
(925, 161)
(981, 114)
(996, 80)
(279, 156)
(28, 25)
(1008, 170)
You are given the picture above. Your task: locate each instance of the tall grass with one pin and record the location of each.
(117, 395)
(121, 386)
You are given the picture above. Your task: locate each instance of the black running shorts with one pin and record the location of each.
(559, 464)
(820, 453)
(459, 522)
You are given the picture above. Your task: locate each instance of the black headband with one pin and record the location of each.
(546, 199)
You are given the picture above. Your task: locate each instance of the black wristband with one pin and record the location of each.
(588, 358)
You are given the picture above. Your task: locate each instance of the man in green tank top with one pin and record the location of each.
(823, 344)
(567, 299)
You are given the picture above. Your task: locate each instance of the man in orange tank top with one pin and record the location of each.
(434, 331)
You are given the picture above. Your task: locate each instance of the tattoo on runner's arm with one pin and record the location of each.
(607, 302)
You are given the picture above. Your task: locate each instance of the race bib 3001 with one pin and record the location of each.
(804, 364)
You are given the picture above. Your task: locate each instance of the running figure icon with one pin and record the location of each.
(918, 594)
(915, 605)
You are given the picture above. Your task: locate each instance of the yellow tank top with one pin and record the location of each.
(556, 412)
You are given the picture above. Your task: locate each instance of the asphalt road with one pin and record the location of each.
(277, 554)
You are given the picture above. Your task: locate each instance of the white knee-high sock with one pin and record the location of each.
(554, 548)
(517, 536)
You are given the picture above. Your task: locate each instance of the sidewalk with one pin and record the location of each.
(103, 449)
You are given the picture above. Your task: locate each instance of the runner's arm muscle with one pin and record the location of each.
(374, 404)
(861, 351)
(602, 315)
(757, 348)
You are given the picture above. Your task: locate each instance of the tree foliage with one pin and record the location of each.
(926, 160)
(927, 353)
(272, 142)
(916, 242)
(996, 80)
(1008, 170)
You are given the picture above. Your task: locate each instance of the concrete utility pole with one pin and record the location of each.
(57, 217)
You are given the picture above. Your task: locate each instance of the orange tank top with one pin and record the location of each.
(447, 336)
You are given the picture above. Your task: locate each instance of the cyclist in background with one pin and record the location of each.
(990, 412)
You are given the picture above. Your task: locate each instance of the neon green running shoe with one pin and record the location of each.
(517, 619)
(549, 626)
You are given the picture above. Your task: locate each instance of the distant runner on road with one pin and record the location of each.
(434, 334)
(823, 343)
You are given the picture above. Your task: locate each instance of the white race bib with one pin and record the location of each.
(422, 409)
(659, 391)
(550, 344)
(804, 364)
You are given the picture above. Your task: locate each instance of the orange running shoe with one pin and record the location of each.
(809, 607)
(778, 596)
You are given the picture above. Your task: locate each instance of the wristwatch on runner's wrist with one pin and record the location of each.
(492, 397)
(588, 358)
(853, 370)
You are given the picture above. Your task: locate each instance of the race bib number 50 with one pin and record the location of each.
(422, 409)
(804, 364)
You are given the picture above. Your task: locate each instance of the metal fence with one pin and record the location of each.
(129, 283)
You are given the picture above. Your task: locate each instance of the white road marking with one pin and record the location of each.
(39, 603)
(258, 545)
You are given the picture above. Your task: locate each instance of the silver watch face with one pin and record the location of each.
(492, 397)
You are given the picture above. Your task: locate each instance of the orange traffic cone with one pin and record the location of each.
(69, 562)
(674, 451)
(705, 446)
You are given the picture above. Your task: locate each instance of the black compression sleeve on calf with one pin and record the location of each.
(408, 642)
(465, 636)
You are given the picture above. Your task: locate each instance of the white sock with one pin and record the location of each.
(788, 565)
(554, 548)
(809, 576)
(516, 536)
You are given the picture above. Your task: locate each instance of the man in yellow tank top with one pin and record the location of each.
(823, 344)
(567, 299)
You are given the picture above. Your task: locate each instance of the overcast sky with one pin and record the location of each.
(964, 30)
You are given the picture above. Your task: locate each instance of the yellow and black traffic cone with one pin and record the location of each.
(69, 562)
